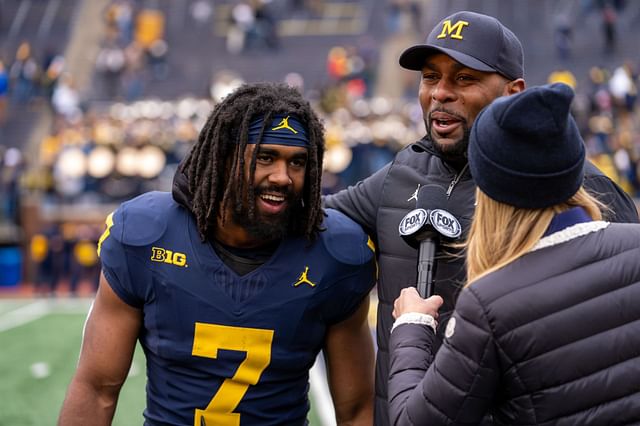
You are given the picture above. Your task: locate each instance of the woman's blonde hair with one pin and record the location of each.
(501, 233)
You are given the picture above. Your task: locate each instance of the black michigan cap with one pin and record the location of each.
(477, 41)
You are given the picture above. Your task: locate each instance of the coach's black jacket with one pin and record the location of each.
(551, 339)
(379, 203)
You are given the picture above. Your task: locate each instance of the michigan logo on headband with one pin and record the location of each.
(283, 130)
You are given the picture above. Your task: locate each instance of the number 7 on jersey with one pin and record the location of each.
(256, 343)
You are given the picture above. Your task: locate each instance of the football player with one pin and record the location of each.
(233, 282)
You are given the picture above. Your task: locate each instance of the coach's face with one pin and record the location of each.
(451, 96)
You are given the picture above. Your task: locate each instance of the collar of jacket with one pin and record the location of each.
(566, 219)
(425, 145)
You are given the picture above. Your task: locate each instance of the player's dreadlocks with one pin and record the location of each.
(215, 167)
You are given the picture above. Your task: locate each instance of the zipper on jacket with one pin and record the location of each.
(456, 179)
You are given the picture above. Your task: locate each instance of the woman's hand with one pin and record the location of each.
(410, 301)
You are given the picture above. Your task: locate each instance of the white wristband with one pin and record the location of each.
(415, 318)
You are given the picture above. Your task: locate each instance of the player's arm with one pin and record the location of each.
(109, 341)
(350, 362)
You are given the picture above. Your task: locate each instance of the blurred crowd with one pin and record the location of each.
(27, 78)
(123, 142)
(609, 118)
(134, 50)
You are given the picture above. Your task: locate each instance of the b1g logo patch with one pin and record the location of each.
(158, 254)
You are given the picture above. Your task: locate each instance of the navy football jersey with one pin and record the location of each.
(216, 357)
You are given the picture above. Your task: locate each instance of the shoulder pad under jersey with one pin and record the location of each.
(142, 220)
(345, 239)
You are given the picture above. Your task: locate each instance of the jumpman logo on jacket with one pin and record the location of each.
(303, 278)
(284, 124)
(415, 194)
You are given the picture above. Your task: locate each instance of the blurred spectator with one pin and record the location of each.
(119, 19)
(51, 76)
(252, 26)
(562, 36)
(201, 11)
(4, 93)
(306, 8)
(623, 164)
(84, 262)
(622, 86)
(223, 83)
(24, 74)
(404, 16)
(241, 27)
(134, 71)
(266, 31)
(157, 59)
(47, 251)
(110, 64)
(296, 80)
(563, 76)
(65, 98)
(352, 69)
(609, 19)
(149, 27)
(11, 167)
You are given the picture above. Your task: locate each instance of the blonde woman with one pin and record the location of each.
(547, 330)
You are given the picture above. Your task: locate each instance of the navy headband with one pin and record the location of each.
(283, 130)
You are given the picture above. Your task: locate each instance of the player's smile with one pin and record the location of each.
(272, 201)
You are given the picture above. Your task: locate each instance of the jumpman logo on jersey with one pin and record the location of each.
(415, 194)
(284, 124)
(303, 278)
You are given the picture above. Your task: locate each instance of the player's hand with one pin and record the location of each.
(410, 301)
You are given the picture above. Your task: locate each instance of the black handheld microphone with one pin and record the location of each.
(423, 227)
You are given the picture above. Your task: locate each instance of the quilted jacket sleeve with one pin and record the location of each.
(361, 201)
(459, 385)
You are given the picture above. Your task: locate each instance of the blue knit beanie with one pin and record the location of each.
(525, 150)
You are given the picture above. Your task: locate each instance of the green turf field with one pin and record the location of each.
(39, 347)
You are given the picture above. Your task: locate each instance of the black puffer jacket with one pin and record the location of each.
(551, 339)
(379, 203)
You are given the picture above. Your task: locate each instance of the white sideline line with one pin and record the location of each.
(322, 402)
(40, 308)
(24, 315)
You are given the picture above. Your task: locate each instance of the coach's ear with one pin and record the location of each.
(515, 86)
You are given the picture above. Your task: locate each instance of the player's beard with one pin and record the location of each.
(269, 227)
(455, 153)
